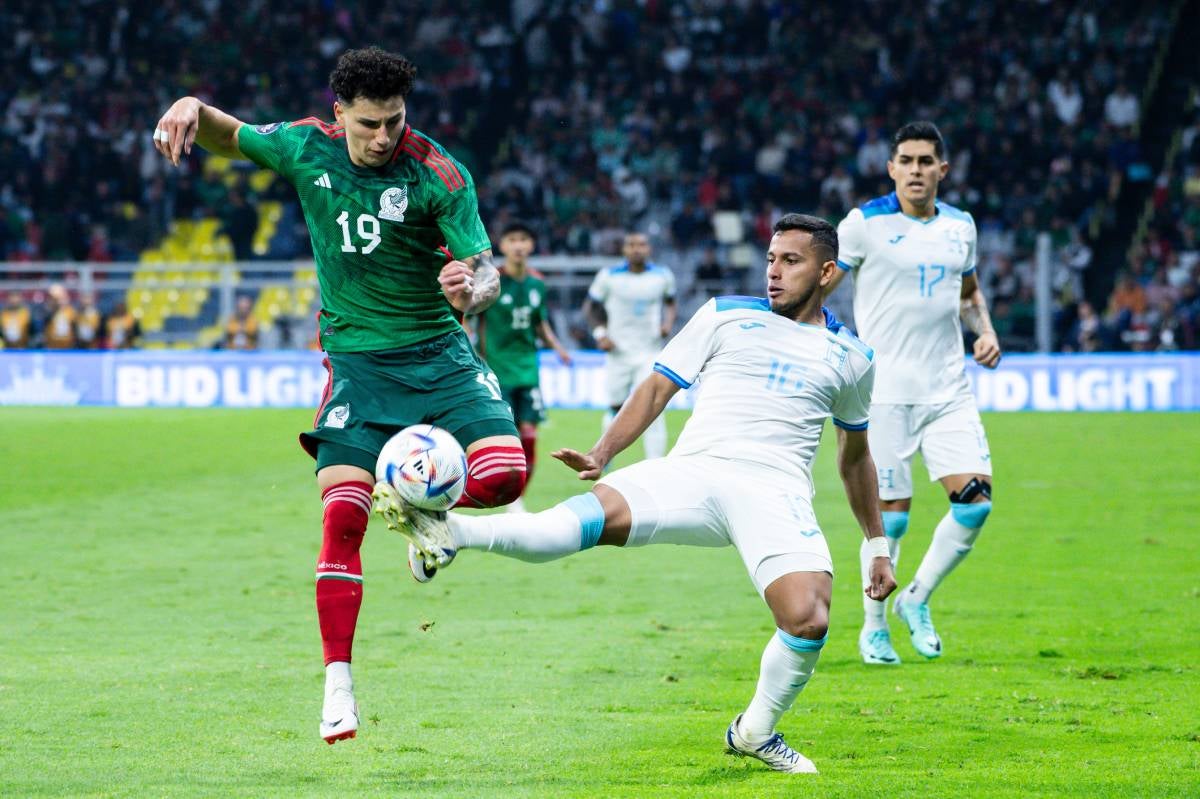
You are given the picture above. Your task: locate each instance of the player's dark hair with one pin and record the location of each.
(922, 131)
(823, 234)
(518, 227)
(373, 74)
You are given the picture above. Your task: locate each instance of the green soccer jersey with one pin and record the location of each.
(511, 331)
(379, 235)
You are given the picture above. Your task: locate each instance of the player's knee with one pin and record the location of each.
(972, 504)
(972, 515)
(495, 476)
(811, 624)
(347, 509)
(895, 523)
(507, 486)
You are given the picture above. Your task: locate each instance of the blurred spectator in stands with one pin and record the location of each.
(1167, 328)
(689, 225)
(1066, 98)
(58, 315)
(16, 322)
(1087, 334)
(239, 221)
(99, 250)
(711, 276)
(873, 155)
(1005, 284)
(1121, 108)
(838, 189)
(88, 323)
(122, 331)
(1128, 299)
(241, 331)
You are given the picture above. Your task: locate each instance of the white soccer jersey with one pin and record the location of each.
(908, 277)
(634, 304)
(767, 384)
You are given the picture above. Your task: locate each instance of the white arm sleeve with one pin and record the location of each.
(852, 240)
(598, 291)
(685, 355)
(852, 405)
(970, 268)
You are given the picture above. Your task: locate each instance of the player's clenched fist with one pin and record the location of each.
(883, 580)
(458, 284)
(987, 350)
(176, 131)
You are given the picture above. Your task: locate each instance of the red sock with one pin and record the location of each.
(495, 476)
(529, 444)
(339, 568)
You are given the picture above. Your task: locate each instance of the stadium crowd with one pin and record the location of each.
(588, 120)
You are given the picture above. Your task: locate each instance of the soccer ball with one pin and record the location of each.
(426, 465)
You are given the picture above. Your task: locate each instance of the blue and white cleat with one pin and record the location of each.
(920, 627)
(876, 648)
(425, 530)
(774, 752)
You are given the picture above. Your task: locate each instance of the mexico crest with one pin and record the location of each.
(393, 203)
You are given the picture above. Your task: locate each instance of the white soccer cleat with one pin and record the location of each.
(421, 571)
(876, 648)
(774, 752)
(339, 716)
(425, 530)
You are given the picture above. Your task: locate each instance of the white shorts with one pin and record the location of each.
(623, 371)
(949, 435)
(702, 501)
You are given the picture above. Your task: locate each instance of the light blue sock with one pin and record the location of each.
(563, 530)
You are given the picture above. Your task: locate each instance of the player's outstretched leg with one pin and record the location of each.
(565, 529)
(874, 641)
(952, 541)
(339, 597)
(799, 601)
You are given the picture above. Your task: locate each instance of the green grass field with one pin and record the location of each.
(159, 635)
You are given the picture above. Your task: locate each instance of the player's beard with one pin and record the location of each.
(793, 309)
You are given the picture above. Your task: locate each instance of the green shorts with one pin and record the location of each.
(526, 403)
(372, 395)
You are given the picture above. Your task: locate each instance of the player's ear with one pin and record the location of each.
(891, 167)
(943, 170)
(828, 269)
(338, 112)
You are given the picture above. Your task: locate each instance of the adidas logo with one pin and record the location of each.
(323, 181)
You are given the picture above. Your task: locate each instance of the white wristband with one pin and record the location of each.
(878, 547)
(600, 332)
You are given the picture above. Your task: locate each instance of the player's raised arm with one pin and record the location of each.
(189, 121)
(643, 406)
(975, 316)
(862, 490)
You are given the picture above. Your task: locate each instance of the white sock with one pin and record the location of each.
(607, 420)
(655, 438)
(337, 674)
(874, 610)
(533, 537)
(895, 525)
(785, 670)
(952, 541)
